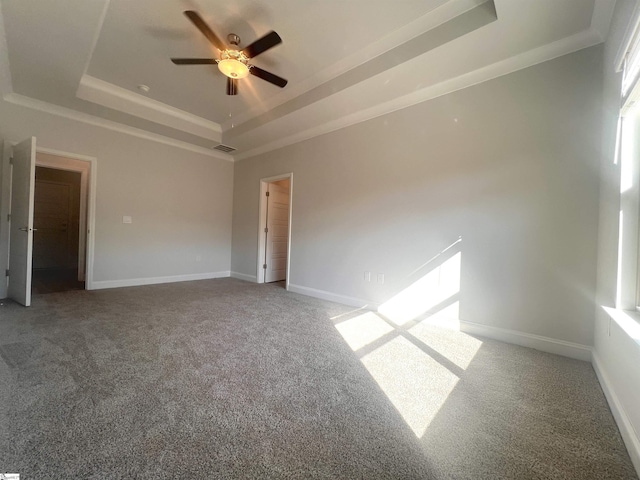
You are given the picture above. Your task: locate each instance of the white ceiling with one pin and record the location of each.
(346, 61)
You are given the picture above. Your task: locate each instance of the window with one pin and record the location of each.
(628, 150)
(631, 66)
(627, 155)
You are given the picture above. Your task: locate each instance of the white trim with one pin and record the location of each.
(85, 167)
(5, 201)
(634, 23)
(545, 344)
(629, 175)
(244, 276)
(627, 320)
(629, 435)
(52, 109)
(432, 19)
(277, 178)
(60, 153)
(134, 282)
(109, 95)
(91, 227)
(262, 224)
(332, 297)
(91, 207)
(579, 41)
(631, 103)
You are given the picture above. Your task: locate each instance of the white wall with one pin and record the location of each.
(510, 165)
(180, 201)
(616, 354)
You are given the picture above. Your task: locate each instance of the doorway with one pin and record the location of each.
(274, 238)
(56, 224)
(60, 223)
(24, 158)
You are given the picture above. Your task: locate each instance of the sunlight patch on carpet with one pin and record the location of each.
(363, 330)
(415, 383)
(457, 347)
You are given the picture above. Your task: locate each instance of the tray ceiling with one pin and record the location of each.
(345, 60)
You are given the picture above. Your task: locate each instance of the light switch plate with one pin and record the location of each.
(127, 219)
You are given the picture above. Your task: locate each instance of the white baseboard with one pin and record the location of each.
(629, 435)
(332, 297)
(545, 344)
(245, 277)
(134, 282)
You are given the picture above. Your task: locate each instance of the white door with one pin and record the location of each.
(277, 233)
(21, 233)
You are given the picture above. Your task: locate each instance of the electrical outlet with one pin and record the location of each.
(127, 219)
(198, 258)
(381, 278)
(367, 276)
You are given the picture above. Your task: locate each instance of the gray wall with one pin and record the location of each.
(510, 165)
(180, 201)
(616, 354)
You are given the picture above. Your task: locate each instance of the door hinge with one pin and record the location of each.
(266, 230)
(267, 194)
(8, 217)
(264, 265)
(6, 272)
(11, 160)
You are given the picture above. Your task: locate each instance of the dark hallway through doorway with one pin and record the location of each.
(56, 231)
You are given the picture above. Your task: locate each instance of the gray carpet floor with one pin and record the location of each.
(228, 379)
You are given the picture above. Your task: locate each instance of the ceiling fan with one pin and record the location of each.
(234, 63)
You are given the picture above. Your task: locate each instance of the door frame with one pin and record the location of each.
(87, 167)
(5, 209)
(262, 224)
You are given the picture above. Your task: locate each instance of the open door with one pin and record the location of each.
(21, 233)
(277, 232)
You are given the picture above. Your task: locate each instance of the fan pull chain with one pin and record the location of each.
(230, 110)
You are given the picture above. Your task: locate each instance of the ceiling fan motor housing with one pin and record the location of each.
(233, 62)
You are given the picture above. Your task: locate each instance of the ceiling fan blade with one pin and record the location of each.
(197, 20)
(194, 61)
(268, 76)
(232, 86)
(263, 44)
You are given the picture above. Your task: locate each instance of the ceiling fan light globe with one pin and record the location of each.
(233, 68)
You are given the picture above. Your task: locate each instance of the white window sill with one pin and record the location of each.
(627, 320)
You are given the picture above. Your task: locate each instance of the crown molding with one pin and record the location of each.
(579, 41)
(432, 19)
(70, 114)
(112, 96)
(366, 73)
(109, 95)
